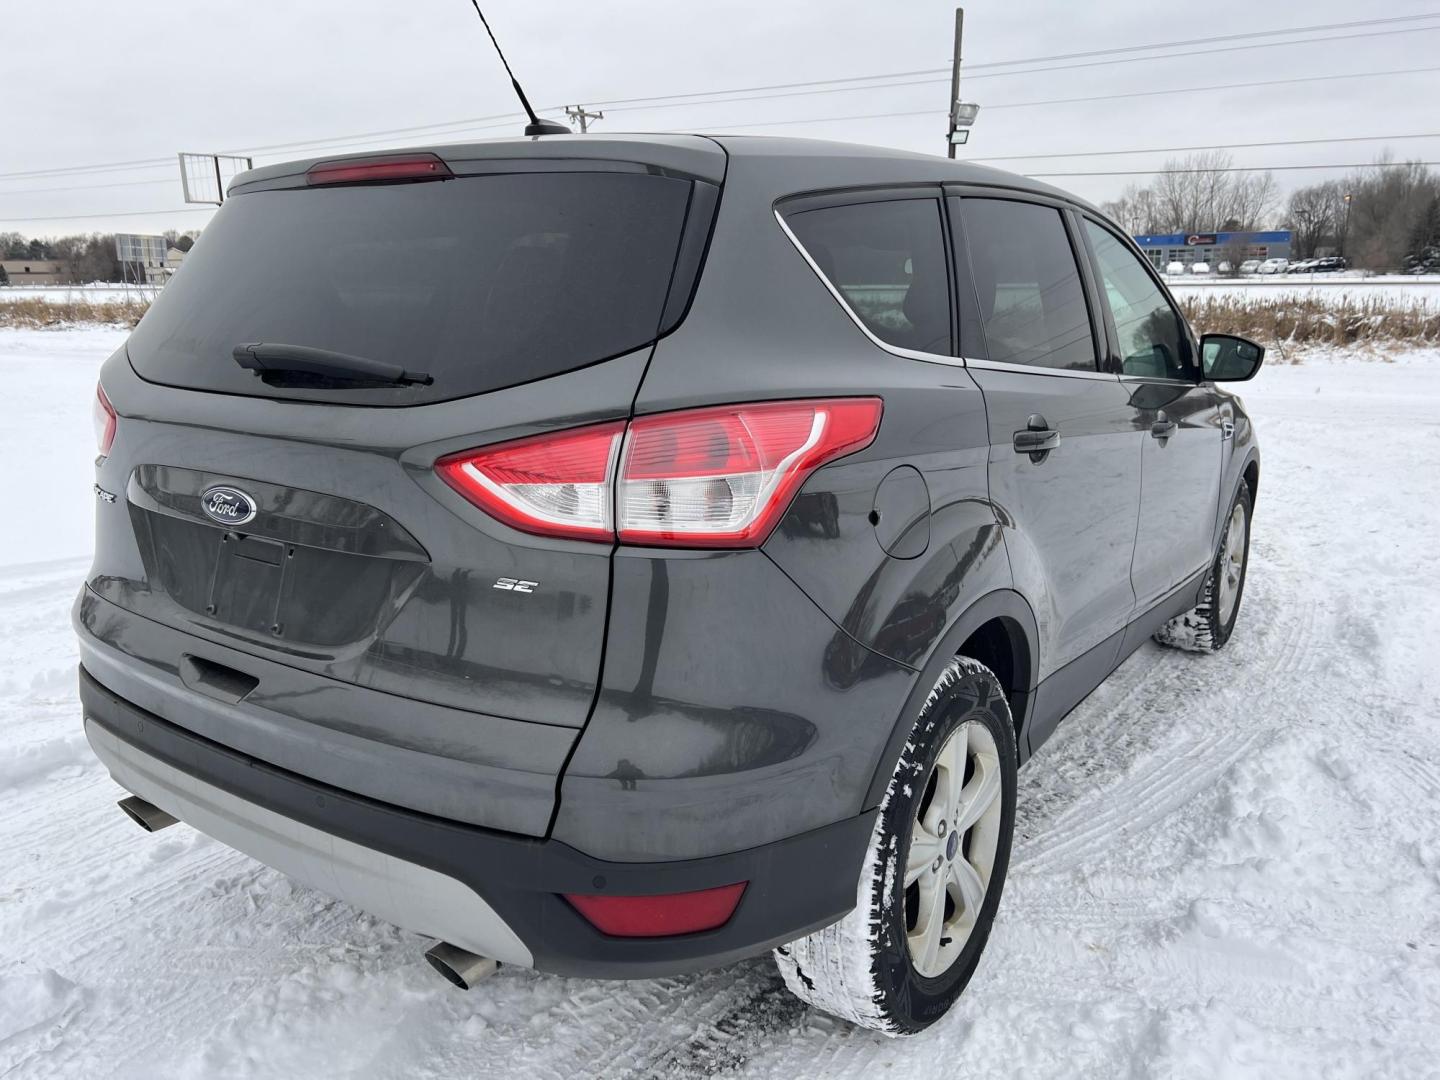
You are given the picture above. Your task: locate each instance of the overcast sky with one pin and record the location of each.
(95, 82)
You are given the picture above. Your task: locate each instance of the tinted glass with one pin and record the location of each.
(482, 282)
(888, 260)
(1032, 301)
(1152, 342)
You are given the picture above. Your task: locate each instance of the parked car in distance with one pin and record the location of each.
(1200, 268)
(1224, 268)
(1304, 266)
(1274, 266)
(1250, 266)
(1175, 268)
(598, 581)
(1331, 264)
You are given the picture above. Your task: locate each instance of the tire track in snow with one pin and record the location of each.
(1169, 775)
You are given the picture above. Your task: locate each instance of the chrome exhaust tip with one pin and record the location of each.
(147, 815)
(460, 968)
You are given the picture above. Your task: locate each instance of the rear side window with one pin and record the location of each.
(887, 259)
(1152, 342)
(1032, 300)
(482, 282)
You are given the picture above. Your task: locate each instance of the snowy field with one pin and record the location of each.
(1407, 291)
(1226, 866)
(86, 294)
(1392, 288)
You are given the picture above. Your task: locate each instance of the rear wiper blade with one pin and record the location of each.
(269, 360)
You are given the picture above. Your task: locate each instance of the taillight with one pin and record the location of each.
(721, 477)
(104, 416)
(553, 485)
(712, 477)
(659, 916)
(404, 167)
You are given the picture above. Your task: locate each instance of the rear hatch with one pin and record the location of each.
(294, 514)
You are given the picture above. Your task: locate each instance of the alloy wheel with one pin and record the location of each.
(951, 856)
(1232, 563)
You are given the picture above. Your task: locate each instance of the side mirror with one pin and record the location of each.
(1226, 358)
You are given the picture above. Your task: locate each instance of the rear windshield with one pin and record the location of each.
(481, 282)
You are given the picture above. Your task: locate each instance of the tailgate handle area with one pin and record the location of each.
(215, 680)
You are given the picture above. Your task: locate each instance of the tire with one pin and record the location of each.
(875, 967)
(1207, 626)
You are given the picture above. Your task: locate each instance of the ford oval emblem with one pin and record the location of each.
(227, 505)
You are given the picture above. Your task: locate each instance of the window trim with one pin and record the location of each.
(1110, 328)
(859, 197)
(1098, 333)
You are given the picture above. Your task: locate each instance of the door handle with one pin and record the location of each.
(1036, 442)
(1038, 438)
(1163, 427)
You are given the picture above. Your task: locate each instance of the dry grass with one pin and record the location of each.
(37, 314)
(1280, 322)
(1274, 321)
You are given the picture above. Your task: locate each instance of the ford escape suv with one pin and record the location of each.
(621, 556)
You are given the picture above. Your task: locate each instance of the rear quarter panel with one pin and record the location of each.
(748, 696)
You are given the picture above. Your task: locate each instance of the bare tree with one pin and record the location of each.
(1198, 193)
(1253, 198)
(1136, 211)
(1314, 218)
(1388, 205)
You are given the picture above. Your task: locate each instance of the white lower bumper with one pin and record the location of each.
(404, 893)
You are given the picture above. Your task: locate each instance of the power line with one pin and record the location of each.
(1191, 53)
(166, 162)
(982, 160)
(742, 94)
(85, 187)
(120, 213)
(1211, 40)
(1243, 168)
(117, 166)
(1075, 100)
(1215, 146)
(1217, 86)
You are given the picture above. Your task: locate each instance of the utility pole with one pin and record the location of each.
(954, 83)
(1345, 225)
(578, 113)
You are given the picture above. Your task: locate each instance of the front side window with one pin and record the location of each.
(887, 259)
(1152, 343)
(1032, 301)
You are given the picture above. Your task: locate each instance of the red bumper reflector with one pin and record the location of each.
(659, 916)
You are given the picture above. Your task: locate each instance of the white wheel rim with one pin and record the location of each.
(1232, 563)
(951, 856)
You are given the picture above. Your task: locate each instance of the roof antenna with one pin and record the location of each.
(536, 126)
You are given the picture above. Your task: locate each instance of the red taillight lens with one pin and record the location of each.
(659, 916)
(105, 420)
(409, 167)
(721, 477)
(554, 485)
(713, 477)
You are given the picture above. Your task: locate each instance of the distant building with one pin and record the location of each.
(1214, 247)
(173, 258)
(161, 272)
(142, 258)
(34, 271)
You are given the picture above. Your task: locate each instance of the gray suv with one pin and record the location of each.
(621, 556)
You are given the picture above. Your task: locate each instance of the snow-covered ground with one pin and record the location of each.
(1393, 288)
(1407, 291)
(97, 293)
(1226, 866)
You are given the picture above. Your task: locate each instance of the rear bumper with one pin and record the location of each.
(497, 894)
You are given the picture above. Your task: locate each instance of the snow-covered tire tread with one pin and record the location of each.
(836, 969)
